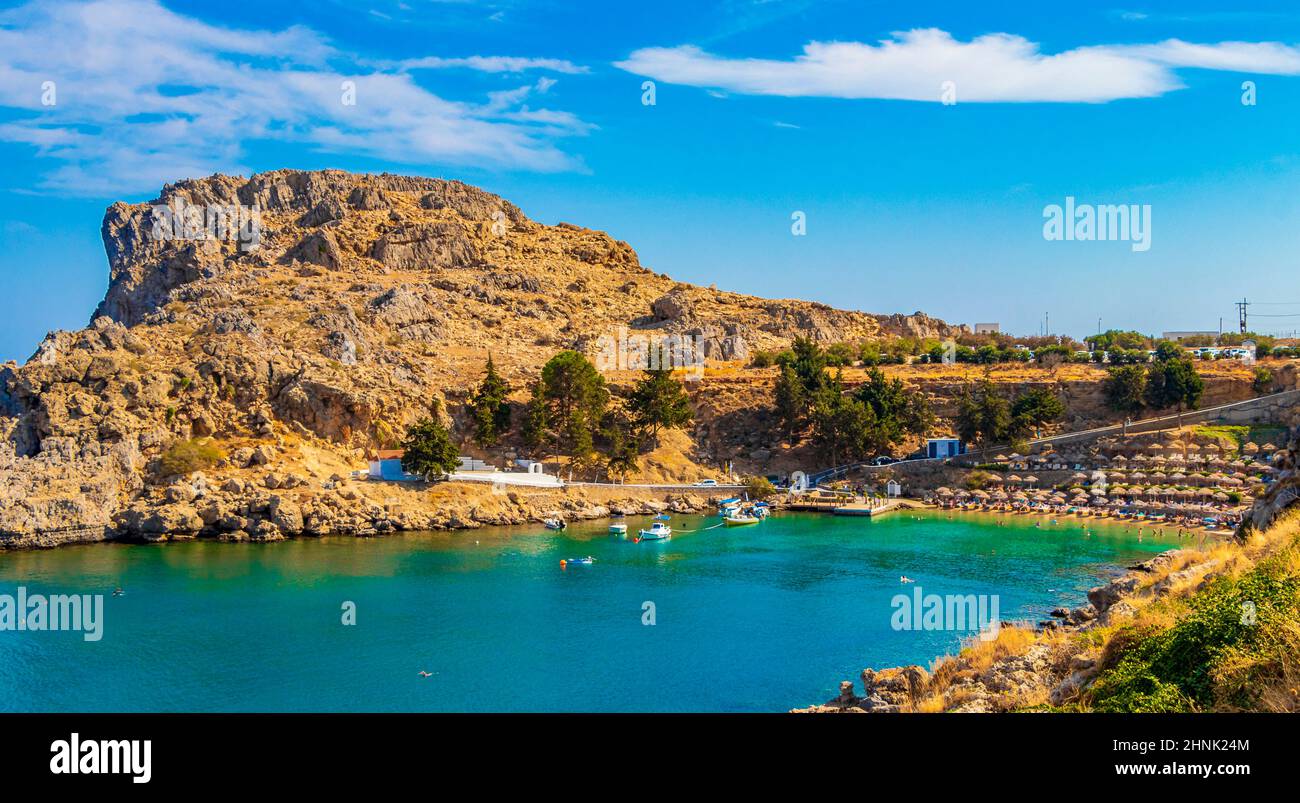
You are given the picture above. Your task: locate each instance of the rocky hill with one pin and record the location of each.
(294, 344)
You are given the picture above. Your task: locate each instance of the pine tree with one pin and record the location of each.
(490, 409)
(659, 400)
(429, 449)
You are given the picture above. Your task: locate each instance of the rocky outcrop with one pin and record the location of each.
(425, 246)
(316, 314)
(1053, 671)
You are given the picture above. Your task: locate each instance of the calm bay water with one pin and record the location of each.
(762, 618)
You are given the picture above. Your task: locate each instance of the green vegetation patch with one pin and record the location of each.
(1235, 634)
(184, 457)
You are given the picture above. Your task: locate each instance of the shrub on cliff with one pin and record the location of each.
(184, 457)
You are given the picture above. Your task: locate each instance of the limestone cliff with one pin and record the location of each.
(297, 318)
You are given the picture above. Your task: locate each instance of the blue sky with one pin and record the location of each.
(762, 109)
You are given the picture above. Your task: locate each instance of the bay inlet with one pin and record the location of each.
(760, 619)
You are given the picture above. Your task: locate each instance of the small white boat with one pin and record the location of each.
(657, 532)
(553, 524)
(618, 528)
(739, 520)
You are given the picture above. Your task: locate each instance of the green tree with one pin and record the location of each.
(983, 416)
(489, 408)
(568, 406)
(1168, 350)
(1173, 383)
(844, 427)
(429, 450)
(1032, 409)
(898, 412)
(1263, 381)
(535, 430)
(659, 400)
(1125, 388)
(809, 364)
(791, 402)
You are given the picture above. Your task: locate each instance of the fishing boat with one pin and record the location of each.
(657, 532)
(566, 562)
(618, 528)
(740, 520)
(553, 524)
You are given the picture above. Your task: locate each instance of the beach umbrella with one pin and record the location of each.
(1192, 447)
(981, 494)
(1251, 448)
(1269, 447)
(1013, 478)
(943, 491)
(1001, 458)
(1031, 479)
(1137, 475)
(1212, 447)
(1098, 492)
(1220, 497)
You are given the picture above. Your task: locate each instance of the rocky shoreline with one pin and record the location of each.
(1049, 669)
(266, 503)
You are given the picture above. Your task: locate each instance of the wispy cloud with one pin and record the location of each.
(914, 65)
(146, 95)
(506, 64)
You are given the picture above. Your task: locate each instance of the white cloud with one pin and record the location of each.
(145, 95)
(506, 64)
(914, 65)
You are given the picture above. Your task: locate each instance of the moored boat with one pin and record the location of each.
(657, 532)
(618, 528)
(740, 520)
(553, 524)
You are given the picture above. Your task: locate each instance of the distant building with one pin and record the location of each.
(892, 488)
(944, 447)
(386, 464)
(987, 328)
(1176, 336)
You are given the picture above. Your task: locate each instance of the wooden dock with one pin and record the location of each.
(866, 508)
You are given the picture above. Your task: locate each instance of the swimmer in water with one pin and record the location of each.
(905, 579)
(424, 674)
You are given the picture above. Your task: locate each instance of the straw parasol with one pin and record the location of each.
(1251, 448)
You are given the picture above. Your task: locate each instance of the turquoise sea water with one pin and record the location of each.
(762, 618)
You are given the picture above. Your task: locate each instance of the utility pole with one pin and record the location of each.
(1241, 313)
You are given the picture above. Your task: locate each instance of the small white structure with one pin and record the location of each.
(987, 328)
(386, 464)
(892, 488)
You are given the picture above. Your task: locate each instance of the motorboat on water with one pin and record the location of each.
(566, 562)
(740, 520)
(553, 524)
(657, 532)
(618, 528)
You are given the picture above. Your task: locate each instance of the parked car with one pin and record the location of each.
(706, 483)
(884, 460)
